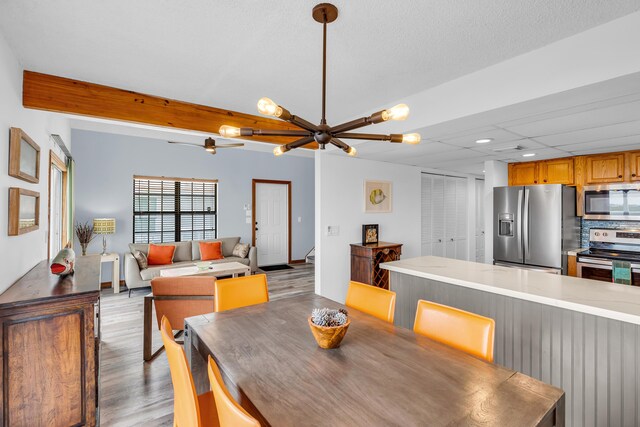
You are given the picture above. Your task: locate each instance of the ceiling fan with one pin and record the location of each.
(209, 145)
(324, 134)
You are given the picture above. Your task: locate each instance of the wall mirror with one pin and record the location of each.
(24, 156)
(24, 211)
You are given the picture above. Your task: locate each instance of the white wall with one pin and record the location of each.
(496, 175)
(340, 202)
(20, 253)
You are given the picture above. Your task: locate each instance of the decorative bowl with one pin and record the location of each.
(203, 265)
(328, 336)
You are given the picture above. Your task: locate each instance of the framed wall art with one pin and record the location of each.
(369, 234)
(24, 211)
(24, 156)
(377, 196)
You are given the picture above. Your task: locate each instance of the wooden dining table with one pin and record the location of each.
(381, 375)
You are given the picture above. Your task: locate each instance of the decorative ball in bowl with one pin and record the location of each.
(203, 265)
(329, 326)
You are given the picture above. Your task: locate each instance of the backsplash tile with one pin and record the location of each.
(589, 224)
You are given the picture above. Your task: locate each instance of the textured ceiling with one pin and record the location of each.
(229, 54)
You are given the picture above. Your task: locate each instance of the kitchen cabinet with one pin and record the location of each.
(523, 173)
(556, 171)
(634, 165)
(604, 168)
(444, 216)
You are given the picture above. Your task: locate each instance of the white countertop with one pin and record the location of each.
(613, 301)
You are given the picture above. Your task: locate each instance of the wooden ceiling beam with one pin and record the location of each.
(63, 95)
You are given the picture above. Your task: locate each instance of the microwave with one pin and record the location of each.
(612, 202)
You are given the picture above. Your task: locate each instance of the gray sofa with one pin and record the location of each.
(186, 253)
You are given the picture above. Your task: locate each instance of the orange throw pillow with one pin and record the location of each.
(160, 255)
(210, 251)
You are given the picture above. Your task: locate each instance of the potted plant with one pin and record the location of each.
(329, 326)
(85, 234)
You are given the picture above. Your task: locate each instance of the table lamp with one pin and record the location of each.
(104, 226)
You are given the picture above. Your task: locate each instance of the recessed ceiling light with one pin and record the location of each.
(482, 171)
(529, 155)
(483, 140)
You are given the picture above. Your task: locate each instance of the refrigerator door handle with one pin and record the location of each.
(517, 224)
(525, 225)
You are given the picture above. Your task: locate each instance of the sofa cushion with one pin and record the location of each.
(182, 253)
(160, 254)
(210, 251)
(141, 259)
(241, 250)
(153, 272)
(228, 243)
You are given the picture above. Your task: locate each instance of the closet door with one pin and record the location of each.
(438, 216)
(450, 216)
(479, 220)
(461, 218)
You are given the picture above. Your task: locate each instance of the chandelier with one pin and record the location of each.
(324, 134)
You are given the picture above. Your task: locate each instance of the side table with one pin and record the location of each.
(115, 277)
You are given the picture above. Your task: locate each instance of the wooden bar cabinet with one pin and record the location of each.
(50, 345)
(366, 260)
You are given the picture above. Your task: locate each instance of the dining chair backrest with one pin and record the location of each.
(372, 300)
(185, 400)
(230, 414)
(469, 332)
(180, 297)
(241, 292)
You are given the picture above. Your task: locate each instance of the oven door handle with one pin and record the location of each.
(602, 264)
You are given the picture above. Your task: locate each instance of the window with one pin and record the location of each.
(174, 209)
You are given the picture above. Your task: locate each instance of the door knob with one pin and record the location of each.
(619, 176)
(439, 240)
(452, 239)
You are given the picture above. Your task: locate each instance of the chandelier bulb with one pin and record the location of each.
(411, 138)
(269, 108)
(351, 151)
(280, 150)
(229, 131)
(397, 112)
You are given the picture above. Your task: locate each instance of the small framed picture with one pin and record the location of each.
(24, 211)
(369, 233)
(377, 196)
(24, 157)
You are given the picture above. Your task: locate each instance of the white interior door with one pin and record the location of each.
(272, 223)
(56, 210)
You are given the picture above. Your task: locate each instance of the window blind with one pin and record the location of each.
(174, 209)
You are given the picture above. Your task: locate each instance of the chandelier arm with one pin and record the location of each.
(300, 122)
(394, 137)
(271, 132)
(300, 142)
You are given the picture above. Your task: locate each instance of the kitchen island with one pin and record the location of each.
(580, 335)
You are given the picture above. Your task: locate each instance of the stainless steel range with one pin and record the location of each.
(606, 245)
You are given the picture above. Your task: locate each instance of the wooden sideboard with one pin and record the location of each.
(50, 347)
(366, 260)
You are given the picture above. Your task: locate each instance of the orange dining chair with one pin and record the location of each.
(241, 292)
(372, 300)
(456, 328)
(230, 413)
(177, 298)
(189, 408)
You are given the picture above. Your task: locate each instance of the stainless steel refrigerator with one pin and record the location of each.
(535, 226)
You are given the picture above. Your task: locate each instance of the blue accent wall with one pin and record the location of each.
(589, 224)
(106, 164)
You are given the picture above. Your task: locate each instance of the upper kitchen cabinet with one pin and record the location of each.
(604, 168)
(523, 173)
(556, 171)
(634, 165)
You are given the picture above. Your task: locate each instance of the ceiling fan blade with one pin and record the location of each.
(186, 143)
(229, 145)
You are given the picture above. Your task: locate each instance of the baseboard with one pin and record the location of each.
(105, 285)
(297, 261)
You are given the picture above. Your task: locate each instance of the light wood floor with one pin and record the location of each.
(135, 393)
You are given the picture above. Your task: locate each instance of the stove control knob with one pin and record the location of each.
(597, 234)
(604, 234)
